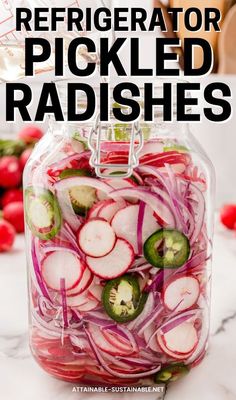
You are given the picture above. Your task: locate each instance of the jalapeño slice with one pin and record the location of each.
(167, 248)
(122, 298)
(82, 197)
(171, 373)
(43, 214)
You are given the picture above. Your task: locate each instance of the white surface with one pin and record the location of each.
(22, 379)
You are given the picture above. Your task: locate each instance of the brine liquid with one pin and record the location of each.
(72, 336)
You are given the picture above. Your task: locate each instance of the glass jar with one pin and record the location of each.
(119, 267)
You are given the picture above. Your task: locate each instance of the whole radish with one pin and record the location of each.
(7, 236)
(10, 172)
(11, 196)
(24, 157)
(30, 134)
(228, 216)
(14, 213)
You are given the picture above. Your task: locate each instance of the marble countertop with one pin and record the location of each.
(214, 379)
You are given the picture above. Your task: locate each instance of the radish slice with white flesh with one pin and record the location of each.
(110, 209)
(102, 343)
(77, 300)
(84, 283)
(179, 342)
(96, 238)
(125, 224)
(93, 212)
(95, 292)
(181, 293)
(62, 265)
(115, 264)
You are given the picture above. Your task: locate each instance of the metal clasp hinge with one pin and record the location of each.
(95, 145)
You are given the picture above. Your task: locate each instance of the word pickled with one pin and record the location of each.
(109, 56)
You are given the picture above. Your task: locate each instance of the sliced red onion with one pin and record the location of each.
(152, 317)
(148, 308)
(144, 267)
(136, 361)
(138, 178)
(193, 263)
(59, 165)
(68, 212)
(141, 212)
(171, 191)
(69, 235)
(37, 270)
(179, 319)
(200, 212)
(126, 375)
(103, 323)
(129, 336)
(111, 359)
(64, 303)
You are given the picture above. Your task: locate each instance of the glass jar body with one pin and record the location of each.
(119, 268)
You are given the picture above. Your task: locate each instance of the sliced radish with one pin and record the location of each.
(180, 342)
(96, 238)
(102, 343)
(95, 291)
(88, 306)
(78, 300)
(93, 212)
(62, 265)
(111, 207)
(184, 290)
(83, 283)
(125, 224)
(115, 264)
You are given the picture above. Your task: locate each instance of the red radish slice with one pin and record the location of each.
(93, 212)
(96, 292)
(96, 238)
(115, 264)
(110, 209)
(62, 265)
(184, 290)
(101, 342)
(78, 300)
(117, 342)
(125, 223)
(88, 306)
(84, 283)
(180, 341)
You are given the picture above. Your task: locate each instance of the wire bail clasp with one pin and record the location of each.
(121, 170)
